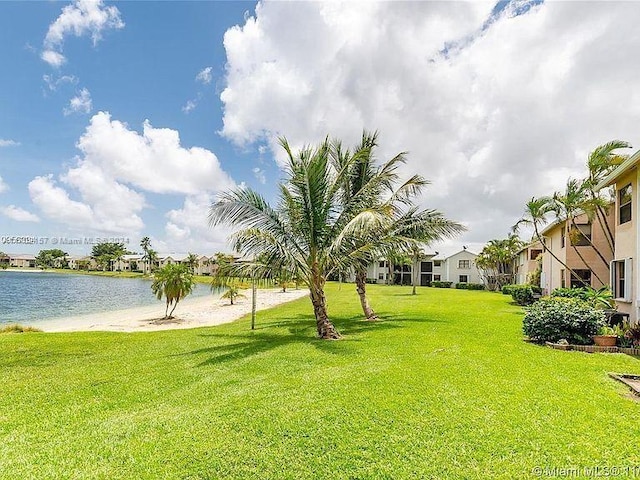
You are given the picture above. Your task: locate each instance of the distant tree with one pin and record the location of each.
(225, 278)
(496, 261)
(47, 258)
(173, 282)
(192, 262)
(145, 244)
(106, 253)
(4, 261)
(152, 257)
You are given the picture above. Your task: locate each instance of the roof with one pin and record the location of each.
(621, 170)
(464, 250)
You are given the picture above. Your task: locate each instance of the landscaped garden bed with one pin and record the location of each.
(594, 348)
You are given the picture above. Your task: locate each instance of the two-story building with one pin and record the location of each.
(625, 269)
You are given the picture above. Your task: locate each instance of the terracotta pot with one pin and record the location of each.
(605, 340)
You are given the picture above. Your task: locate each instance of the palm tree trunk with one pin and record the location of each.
(361, 288)
(602, 220)
(414, 272)
(325, 328)
(544, 246)
(573, 223)
(166, 310)
(174, 307)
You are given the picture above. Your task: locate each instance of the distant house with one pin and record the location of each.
(526, 262)
(560, 238)
(457, 268)
(430, 267)
(625, 267)
(22, 261)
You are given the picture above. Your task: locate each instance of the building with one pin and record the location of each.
(22, 261)
(526, 262)
(624, 271)
(572, 246)
(430, 267)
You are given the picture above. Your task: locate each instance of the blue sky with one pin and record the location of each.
(126, 119)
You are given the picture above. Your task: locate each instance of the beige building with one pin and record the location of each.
(526, 262)
(624, 266)
(570, 245)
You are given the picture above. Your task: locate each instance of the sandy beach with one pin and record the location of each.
(190, 313)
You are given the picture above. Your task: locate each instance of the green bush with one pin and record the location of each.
(506, 289)
(522, 294)
(555, 318)
(441, 284)
(469, 286)
(580, 293)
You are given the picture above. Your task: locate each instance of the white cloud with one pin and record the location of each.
(8, 143)
(3, 186)
(53, 83)
(81, 103)
(504, 116)
(82, 17)
(259, 174)
(190, 105)
(152, 160)
(53, 58)
(103, 191)
(205, 76)
(187, 228)
(18, 214)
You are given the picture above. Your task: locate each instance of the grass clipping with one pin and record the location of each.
(15, 328)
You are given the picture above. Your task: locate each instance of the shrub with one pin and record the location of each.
(15, 328)
(522, 294)
(580, 293)
(554, 318)
(469, 286)
(441, 284)
(506, 289)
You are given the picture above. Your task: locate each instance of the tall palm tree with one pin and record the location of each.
(192, 262)
(310, 229)
(568, 205)
(536, 213)
(145, 244)
(368, 185)
(602, 160)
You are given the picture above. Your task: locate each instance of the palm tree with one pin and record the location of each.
(145, 244)
(312, 230)
(602, 160)
(496, 261)
(192, 262)
(174, 282)
(152, 257)
(535, 214)
(367, 186)
(568, 205)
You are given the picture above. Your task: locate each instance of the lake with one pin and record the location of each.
(29, 296)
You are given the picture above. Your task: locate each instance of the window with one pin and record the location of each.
(464, 264)
(436, 278)
(624, 204)
(381, 276)
(580, 277)
(621, 279)
(563, 282)
(382, 264)
(534, 254)
(426, 267)
(463, 278)
(562, 239)
(437, 263)
(581, 236)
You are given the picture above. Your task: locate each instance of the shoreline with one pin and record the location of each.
(190, 313)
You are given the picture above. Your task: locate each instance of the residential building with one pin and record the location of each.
(526, 262)
(572, 246)
(457, 268)
(22, 261)
(624, 265)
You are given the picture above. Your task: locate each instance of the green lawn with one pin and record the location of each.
(444, 387)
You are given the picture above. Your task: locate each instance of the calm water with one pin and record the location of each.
(26, 296)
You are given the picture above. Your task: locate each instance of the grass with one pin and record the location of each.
(16, 328)
(443, 388)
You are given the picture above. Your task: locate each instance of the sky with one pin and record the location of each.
(120, 120)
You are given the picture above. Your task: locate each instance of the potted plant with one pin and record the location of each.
(606, 337)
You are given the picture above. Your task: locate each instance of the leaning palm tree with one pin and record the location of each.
(310, 230)
(602, 161)
(536, 213)
(371, 186)
(174, 282)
